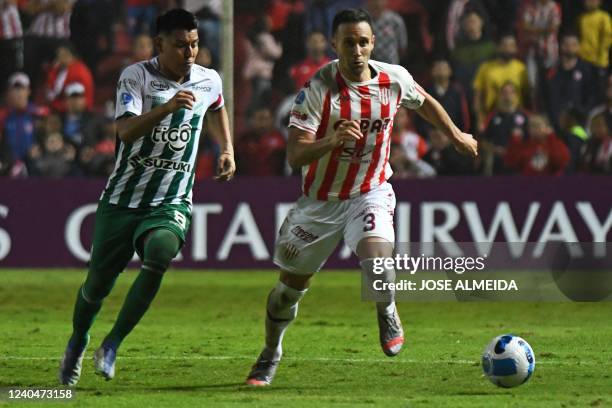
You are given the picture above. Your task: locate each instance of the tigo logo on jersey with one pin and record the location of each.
(177, 138)
(126, 98)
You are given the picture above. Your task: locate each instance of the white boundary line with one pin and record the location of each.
(317, 359)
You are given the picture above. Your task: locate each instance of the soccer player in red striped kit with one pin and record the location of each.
(339, 134)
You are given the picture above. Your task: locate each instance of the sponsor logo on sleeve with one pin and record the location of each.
(298, 115)
(126, 98)
(127, 83)
(299, 99)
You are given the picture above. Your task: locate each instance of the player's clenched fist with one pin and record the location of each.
(466, 144)
(182, 99)
(226, 167)
(346, 131)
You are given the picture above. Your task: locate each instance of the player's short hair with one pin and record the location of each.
(175, 19)
(350, 16)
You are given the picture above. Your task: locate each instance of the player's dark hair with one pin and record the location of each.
(175, 19)
(350, 16)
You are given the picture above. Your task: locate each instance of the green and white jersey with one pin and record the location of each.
(158, 168)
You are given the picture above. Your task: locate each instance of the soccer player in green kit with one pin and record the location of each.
(146, 205)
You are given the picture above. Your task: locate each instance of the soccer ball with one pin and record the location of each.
(508, 361)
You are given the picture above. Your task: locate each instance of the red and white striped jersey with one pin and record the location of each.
(328, 99)
(10, 23)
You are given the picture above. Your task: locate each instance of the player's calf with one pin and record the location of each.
(281, 310)
(391, 333)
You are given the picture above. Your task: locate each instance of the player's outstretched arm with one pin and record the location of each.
(303, 148)
(130, 129)
(434, 113)
(218, 123)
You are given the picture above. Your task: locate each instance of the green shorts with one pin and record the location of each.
(118, 232)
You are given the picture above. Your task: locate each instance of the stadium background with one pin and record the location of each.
(196, 344)
(63, 59)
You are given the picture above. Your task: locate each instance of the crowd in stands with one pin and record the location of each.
(60, 61)
(530, 79)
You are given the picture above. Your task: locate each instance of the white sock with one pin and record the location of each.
(281, 309)
(386, 303)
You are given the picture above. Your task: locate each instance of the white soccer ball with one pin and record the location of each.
(508, 361)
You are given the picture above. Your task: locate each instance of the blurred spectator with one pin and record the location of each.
(208, 154)
(320, 14)
(262, 50)
(6, 159)
(408, 149)
(506, 122)
(450, 96)
(605, 108)
(541, 153)
(458, 10)
(19, 118)
(11, 41)
(444, 158)
(569, 84)
(540, 26)
(573, 134)
(68, 69)
(316, 47)
(209, 26)
(80, 125)
(141, 16)
(283, 111)
(260, 151)
(55, 159)
(390, 32)
(493, 74)
(595, 34)
(204, 57)
(142, 49)
(597, 156)
(49, 29)
(473, 48)
(595, 39)
(91, 25)
(99, 159)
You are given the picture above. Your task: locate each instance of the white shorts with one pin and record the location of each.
(313, 228)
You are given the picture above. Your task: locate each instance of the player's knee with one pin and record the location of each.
(283, 301)
(160, 247)
(374, 247)
(96, 288)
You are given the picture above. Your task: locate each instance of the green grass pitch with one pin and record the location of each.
(204, 330)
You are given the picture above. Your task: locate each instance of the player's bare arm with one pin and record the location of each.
(219, 127)
(303, 148)
(434, 113)
(131, 129)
